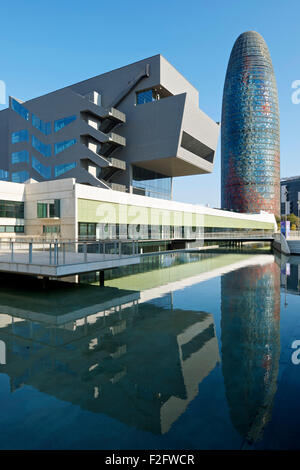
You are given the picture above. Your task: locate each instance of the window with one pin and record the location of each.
(60, 123)
(144, 97)
(4, 175)
(196, 147)
(61, 169)
(12, 209)
(20, 176)
(60, 146)
(86, 229)
(21, 110)
(44, 127)
(12, 228)
(43, 170)
(20, 136)
(42, 210)
(48, 209)
(150, 183)
(19, 157)
(40, 147)
(51, 229)
(153, 94)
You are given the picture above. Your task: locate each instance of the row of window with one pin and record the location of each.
(12, 228)
(18, 108)
(12, 209)
(20, 136)
(15, 209)
(44, 127)
(43, 170)
(101, 231)
(63, 168)
(122, 231)
(51, 229)
(60, 123)
(19, 176)
(41, 147)
(48, 209)
(20, 157)
(4, 175)
(23, 136)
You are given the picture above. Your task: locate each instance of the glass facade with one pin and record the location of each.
(48, 209)
(150, 183)
(60, 123)
(12, 209)
(44, 127)
(19, 176)
(250, 129)
(145, 97)
(290, 204)
(40, 147)
(60, 146)
(43, 170)
(20, 136)
(18, 108)
(20, 157)
(153, 94)
(61, 169)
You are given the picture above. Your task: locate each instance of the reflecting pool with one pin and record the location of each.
(185, 351)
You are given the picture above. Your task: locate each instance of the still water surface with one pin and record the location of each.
(187, 351)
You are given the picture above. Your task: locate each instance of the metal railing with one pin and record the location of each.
(294, 235)
(117, 163)
(62, 252)
(255, 235)
(117, 139)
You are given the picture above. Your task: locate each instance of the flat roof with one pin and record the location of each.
(290, 178)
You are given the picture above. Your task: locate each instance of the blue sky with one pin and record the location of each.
(48, 45)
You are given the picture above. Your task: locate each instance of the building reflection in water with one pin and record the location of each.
(140, 363)
(290, 275)
(250, 304)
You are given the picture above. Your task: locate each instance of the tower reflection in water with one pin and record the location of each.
(140, 363)
(251, 346)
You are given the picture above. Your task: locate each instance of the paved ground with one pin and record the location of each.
(70, 263)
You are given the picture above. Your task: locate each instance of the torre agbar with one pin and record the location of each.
(250, 129)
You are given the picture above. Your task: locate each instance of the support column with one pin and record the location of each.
(101, 278)
(45, 281)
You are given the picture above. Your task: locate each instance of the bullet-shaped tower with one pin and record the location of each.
(250, 129)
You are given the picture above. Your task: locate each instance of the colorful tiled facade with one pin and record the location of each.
(250, 129)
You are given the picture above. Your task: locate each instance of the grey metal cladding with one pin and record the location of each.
(171, 135)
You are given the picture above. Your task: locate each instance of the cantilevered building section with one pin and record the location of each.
(131, 129)
(250, 129)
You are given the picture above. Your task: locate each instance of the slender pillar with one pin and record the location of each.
(101, 278)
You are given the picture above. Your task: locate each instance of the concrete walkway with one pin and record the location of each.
(70, 263)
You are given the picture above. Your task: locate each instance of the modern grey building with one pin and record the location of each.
(132, 129)
(290, 195)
